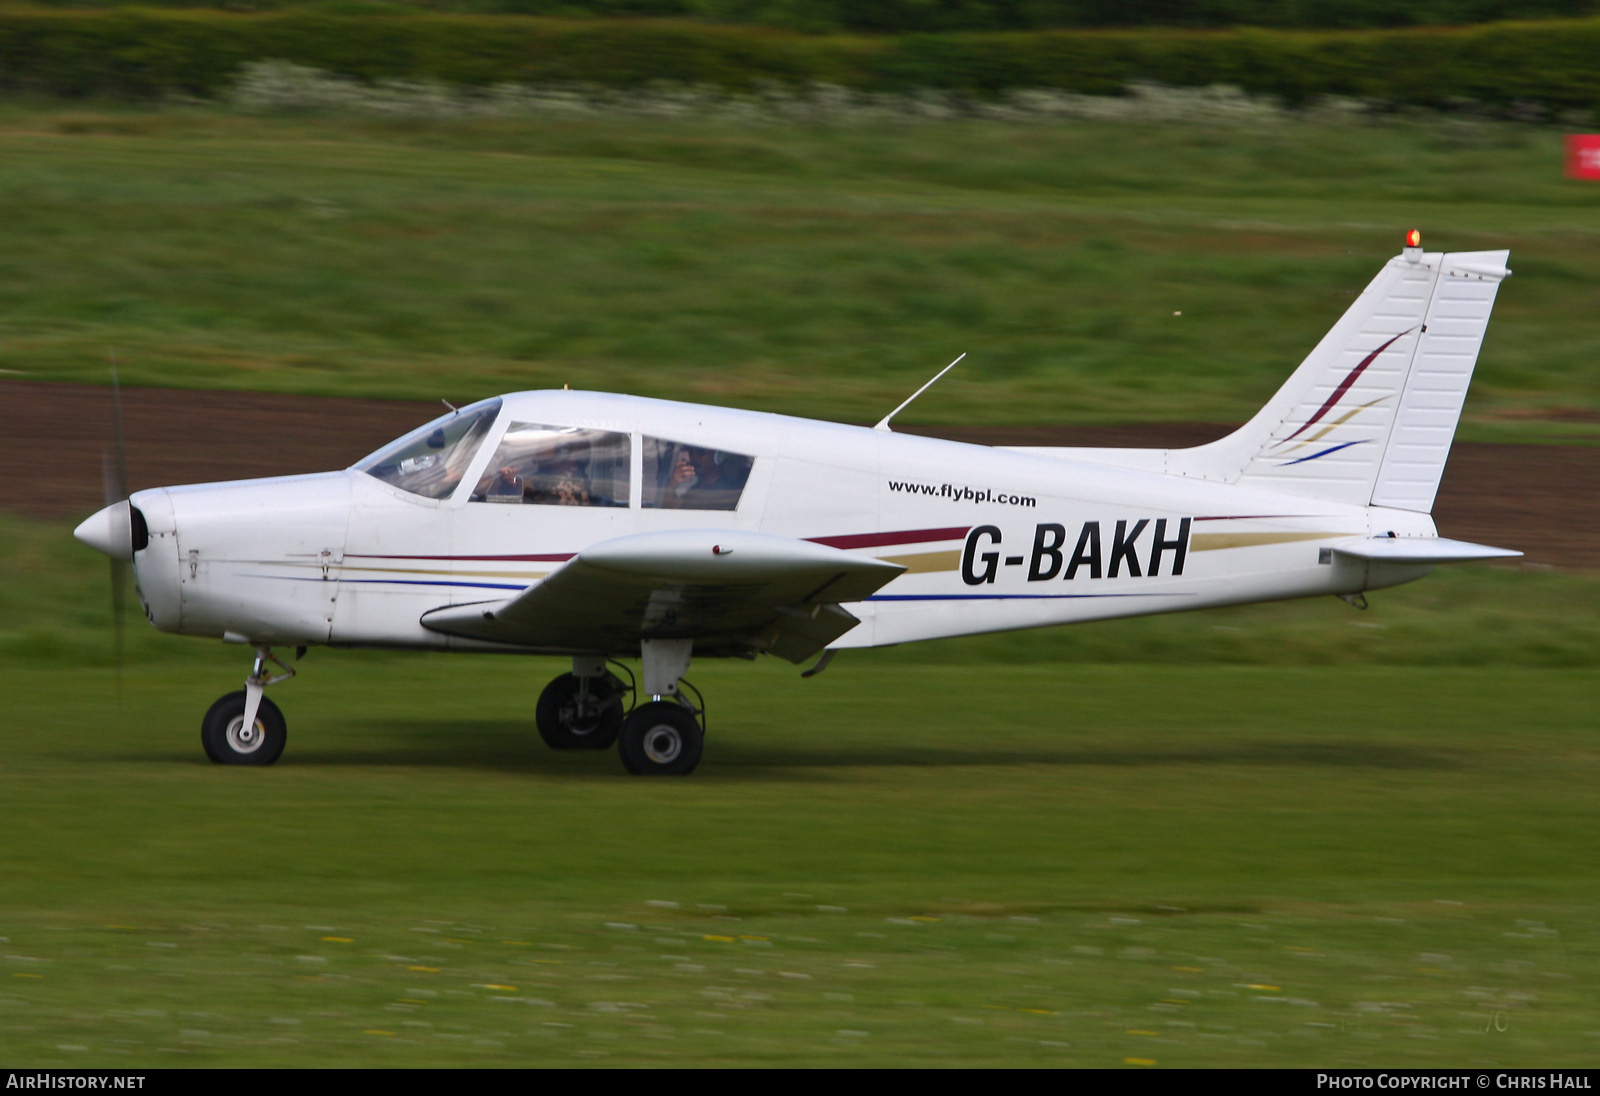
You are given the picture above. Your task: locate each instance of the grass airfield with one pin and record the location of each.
(983, 865)
(1347, 843)
(1276, 835)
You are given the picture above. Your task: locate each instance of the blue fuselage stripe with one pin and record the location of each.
(429, 582)
(1007, 597)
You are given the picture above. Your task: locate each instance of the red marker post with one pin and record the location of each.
(1583, 155)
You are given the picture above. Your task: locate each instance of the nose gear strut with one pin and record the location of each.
(244, 727)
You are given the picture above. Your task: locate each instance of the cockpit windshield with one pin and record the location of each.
(431, 460)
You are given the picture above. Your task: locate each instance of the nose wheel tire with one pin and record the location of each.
(572, 717)
(662, 738)
(228, 741)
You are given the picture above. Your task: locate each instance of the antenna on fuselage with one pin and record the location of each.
(451, 406)
(883, 424)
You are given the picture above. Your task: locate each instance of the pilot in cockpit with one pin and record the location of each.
(506, 486)
(557, 466)
(562, 478)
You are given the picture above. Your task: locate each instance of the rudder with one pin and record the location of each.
(1436, 388)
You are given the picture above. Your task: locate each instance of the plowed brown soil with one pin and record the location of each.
(1542, 499)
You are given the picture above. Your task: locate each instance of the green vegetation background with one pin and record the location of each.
(1094, 272)
(138, 53)
(1275, 835)
(893, 16)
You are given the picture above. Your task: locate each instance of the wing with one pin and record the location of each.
(731, 592)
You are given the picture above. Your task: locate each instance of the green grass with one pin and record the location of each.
(820, 271)
(964, 865)
(1050, 848)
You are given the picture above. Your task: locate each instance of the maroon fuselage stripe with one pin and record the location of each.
(1251, 517)
(855, 540)
(881, 540)
(551, 557)
(1344, 385)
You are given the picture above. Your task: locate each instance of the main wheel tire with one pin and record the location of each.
(662, 738)
(228, 742)
(569, 721)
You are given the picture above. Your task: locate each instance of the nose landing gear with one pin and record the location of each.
(244, 727)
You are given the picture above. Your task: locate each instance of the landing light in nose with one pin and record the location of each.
(110, 531)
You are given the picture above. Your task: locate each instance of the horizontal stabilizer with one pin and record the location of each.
(1420, 550)
(727, 590)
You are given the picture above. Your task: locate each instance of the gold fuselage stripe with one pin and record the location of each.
(920, 563)
(528, 575)
(1211, 542)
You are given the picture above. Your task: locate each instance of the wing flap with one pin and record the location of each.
(732, 591)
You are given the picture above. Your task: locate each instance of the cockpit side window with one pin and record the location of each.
(431, 460)
(678, 476)
(557, 466)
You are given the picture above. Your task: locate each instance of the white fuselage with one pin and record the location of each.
(991, 539)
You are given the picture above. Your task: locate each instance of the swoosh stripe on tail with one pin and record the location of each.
(1344, 386)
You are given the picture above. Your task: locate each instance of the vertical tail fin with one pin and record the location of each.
(1368, 417)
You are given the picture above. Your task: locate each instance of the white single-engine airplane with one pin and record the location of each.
(603, 526)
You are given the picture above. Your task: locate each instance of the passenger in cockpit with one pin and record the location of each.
(704, 479)
(562, 479)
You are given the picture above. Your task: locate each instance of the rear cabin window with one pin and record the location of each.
(678, 476)
(540, 465)
(431, 460)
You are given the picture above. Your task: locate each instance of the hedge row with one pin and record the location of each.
(142, 54)
(939, 16)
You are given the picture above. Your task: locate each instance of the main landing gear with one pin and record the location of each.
(662, 737)
(244, 727)
(582, 710)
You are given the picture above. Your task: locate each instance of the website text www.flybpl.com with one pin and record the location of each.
(960, 494)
